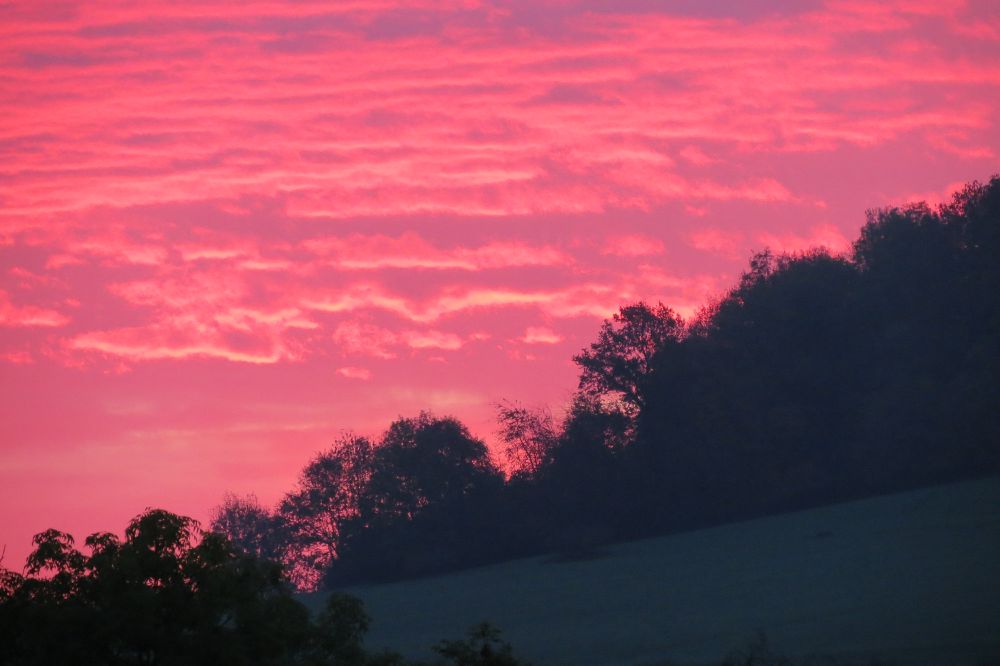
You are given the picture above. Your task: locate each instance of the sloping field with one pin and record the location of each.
(912, 578)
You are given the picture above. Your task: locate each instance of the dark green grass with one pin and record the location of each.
(908, 579)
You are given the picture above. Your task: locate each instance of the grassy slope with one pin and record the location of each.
(913, 578)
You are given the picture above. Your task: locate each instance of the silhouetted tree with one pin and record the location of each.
(816, 378)
(250, 527)
(312, 517)
(169, 594)
(930, 290)
(973, 395)
(529, 436)
(618, 363)
(581, 486)
(425, 462)
(427, 505)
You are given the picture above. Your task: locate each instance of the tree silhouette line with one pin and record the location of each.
(817, 378)
(171, 594)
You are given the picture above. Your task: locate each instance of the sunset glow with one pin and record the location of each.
(230, 231)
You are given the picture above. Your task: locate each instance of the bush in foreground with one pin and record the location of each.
(167, 594)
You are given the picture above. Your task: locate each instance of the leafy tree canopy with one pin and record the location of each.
(170, 594)
(619, 361)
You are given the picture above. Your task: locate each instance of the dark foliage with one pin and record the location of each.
(483, 647)
(619, 362)
(822, 378)
(313, 518)
(529, 437)
(817, 378)
(427, 506)
(250, 527)
(167, 594)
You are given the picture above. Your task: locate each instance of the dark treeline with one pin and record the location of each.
(817, 378)
(170, 594)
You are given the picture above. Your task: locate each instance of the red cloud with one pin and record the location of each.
(633, 245)
(20, 357)
(354, 338)
(541, 335)
(432, 340)
(592, 299)
(349, 129)
(352, 372)
(723, 242)
(28, 316)
(410, 251)
(821, 236)
(200, 314)
(360, 339)
(157, 343)
(272, 184)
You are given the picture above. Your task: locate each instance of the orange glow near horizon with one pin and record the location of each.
(230, 231)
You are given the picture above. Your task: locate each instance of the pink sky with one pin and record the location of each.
(231, 230)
